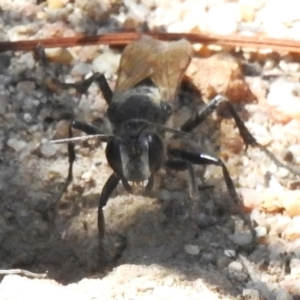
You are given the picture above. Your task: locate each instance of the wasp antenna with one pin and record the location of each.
(165, 128)
(103, 137)
(172, 130)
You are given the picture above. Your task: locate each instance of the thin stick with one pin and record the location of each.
(251, 270)
(23, 272)
(123, 38)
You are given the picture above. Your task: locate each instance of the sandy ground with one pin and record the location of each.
(167, 255)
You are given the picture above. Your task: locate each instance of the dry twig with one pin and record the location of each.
(122, 39)
(24, 273)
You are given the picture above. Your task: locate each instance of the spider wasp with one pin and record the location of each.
(140, 112)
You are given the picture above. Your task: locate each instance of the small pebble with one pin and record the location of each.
(5, 60)
(283, 295)
(260, 231)
(59, 55)
(26, 87)
(290, 67)
(242, 238)
(251, 294)
(260, 254)
(81, 69)
(16, 145)
(56, 4)
(208, 257)
(290, 202)
(27, 117)
(106, 63)
(5, 80)
(295, 266)
(235, 266)
(204, 221)
(238, 224)
(263, 289)
(62, 129)
(230, 252)
(223, 262)
(192, 249)
(288, 109)
(36, 102)
(4, 98)
(87, 176)
(296, 248)
(48, 149)
(57, 170)
(229, 13)
(33, 146)
(269, 64)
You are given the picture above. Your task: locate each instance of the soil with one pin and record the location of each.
(153, 248)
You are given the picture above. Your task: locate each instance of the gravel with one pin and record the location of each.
(168, 254)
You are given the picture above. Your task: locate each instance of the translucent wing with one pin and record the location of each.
(135, 64)
(171, 62)
(163, 62)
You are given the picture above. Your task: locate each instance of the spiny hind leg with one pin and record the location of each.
(199, 158)
(248, 138)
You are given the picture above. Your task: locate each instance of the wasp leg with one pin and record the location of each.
(82, 86)
(182, 165)
(247, 137)
(119, 246)
(72, 157)
(40, 55)
(86, 128)
(126, 185)
(205, 159)
(107, 190)
(149, 186)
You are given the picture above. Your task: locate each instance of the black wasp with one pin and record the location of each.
(140, 110)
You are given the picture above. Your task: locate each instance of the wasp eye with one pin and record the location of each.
(156, 152)
(167, 108)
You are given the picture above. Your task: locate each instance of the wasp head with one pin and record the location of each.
(136, 153)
